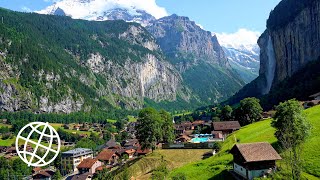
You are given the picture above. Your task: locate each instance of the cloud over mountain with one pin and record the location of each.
(84, 9)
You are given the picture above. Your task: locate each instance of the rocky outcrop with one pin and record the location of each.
(198, 56)
(291, 41)
(186, 43)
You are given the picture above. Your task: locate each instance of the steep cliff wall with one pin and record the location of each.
(296, 42)
(198, 56)
(291, 41)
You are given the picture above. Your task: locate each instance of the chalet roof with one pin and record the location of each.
(130, 151)
(43, 174)
(315, 95)
(105, 155)
(87, 163)
(100, 168)
(184, 137)
(144, 151)
(253, 152)
(111, 143)
(131, 142)
(81, 176)
(36, 169)
(226, 125)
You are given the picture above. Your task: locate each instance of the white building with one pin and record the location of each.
(71, 159)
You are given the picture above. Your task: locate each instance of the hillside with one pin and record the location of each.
(55, 64)
(216, 167)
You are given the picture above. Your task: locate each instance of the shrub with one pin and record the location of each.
(179, 176)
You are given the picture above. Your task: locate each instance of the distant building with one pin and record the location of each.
(315, 96)
(131, 143)
(42, 174)
(111, 144)
(85, 176)
(108, 156)
(254, 160)
(89, 165)
(142, 152)
(183, 138)
(130, 153)
(71, 159)
(226, 127)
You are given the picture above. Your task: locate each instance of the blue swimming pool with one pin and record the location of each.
(199, 140)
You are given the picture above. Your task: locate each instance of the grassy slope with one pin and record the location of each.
(175, 158)
(215, 167)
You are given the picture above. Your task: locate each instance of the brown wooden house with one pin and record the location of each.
(226, 127)
(108, 156)
(254, 159)
(89, 165)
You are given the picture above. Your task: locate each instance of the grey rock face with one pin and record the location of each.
(295, 44)
(181, 39)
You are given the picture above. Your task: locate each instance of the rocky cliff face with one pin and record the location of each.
(294, 43)
(290, 42)
(185, 43)
(198, 56)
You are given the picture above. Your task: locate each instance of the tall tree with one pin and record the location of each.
(249, 111)
(292, 129)
(226, 113)
(166, 126)
(149, 128)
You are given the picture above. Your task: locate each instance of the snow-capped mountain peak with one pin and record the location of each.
(140, 11)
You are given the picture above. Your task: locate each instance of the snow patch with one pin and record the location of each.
(91, 9)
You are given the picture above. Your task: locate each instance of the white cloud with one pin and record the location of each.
(84, 10)
(242, 37)
(26, 9)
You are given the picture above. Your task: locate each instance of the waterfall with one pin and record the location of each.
(271, 66)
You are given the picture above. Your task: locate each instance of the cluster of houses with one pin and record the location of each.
(85, 126)
(84, 164)
(185, 132)
(11, 151)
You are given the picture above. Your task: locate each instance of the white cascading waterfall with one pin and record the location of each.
(270, 73)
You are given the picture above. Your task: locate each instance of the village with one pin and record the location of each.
(79, 163)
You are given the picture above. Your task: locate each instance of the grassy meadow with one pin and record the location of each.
(216, 167)
(142, 168)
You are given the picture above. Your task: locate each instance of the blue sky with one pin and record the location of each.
(221, 16)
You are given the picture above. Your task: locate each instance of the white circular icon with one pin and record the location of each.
(43, 151)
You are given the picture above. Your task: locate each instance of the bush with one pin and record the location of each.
(179, 176)
(217, 146)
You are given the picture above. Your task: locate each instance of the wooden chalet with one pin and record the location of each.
(43, 174)
(89, 165)
(142, 152)
(108, 156)
(130, 153)
(254, 160)
(226, 127)
(183, 138)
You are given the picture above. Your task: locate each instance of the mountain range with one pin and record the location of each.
(244, 58)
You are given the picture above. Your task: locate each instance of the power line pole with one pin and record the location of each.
(2, 20)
